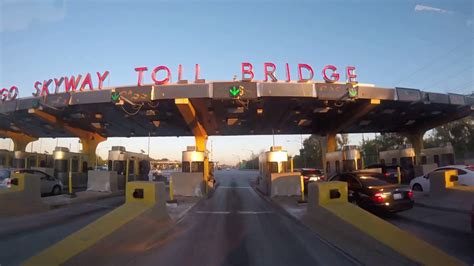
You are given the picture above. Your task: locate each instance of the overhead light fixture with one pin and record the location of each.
(259, 111)
(232, 121)
(150, 112)
(410, 122)
(98, 116)
(321, 110)
(236, 110)
(304, 122)
(156, 123)
(374, 101)
(97, 125)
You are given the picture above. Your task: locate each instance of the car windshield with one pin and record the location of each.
(4, 174)
(374, 180)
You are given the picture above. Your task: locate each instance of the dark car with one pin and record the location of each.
(371, 192)
(311, 175)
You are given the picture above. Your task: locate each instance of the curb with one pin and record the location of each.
(63, 204)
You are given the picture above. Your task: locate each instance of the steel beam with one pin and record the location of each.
(20, 140)
(188, 112)
(89, 140)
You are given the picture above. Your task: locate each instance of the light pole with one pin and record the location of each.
(302, 152)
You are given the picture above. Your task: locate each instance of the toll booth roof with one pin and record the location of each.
(261, 108)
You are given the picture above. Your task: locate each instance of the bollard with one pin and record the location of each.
(171, 200)
(127, 169)
(291, 164)
(71, 193)
(302, 200)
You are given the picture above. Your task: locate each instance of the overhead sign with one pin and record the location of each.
(161, 75)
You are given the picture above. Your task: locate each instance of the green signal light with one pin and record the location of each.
(236, 91)
(115, 97)
(352, 92)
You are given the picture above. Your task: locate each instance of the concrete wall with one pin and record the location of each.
(102, 181)
(22, 199)
(187, 184)
(285, 184)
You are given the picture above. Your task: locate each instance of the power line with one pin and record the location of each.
(430, 63)
(443, 80)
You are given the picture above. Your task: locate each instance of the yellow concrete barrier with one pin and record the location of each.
(23, 197)
(142, 198)
(332, 196)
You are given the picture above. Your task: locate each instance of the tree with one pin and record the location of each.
(459, 133)
(310, 155)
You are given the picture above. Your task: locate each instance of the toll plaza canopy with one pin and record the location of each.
(234, 108)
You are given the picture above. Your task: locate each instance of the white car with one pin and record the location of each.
(465, 177)
(49, 184)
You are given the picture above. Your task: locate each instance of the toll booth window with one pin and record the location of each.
(60, 166)
(394, 161)
(197, 167)
(75, 166)
(328, 167)
(405, 162)
(338, 167)
(436, 159)
(447, 159)
(273, 167)
(18, 163)
(119, 167)
(109, 165)
(186, 167)
(359, 163)
(131, 167)
(84, 167)
(42, 163)
(348, 165)
(3, 161)
(423, 160)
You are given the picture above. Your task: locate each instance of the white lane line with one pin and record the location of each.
(254, 212)
(233, 187)
(214, 212)
(238, 212)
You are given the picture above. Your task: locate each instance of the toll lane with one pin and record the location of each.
(237, 227)
(25, 240)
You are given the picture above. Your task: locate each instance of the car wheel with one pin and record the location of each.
(56, 190)
(417, 187)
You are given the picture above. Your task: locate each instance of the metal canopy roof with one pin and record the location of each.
(264, 108)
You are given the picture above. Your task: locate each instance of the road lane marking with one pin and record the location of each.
(238, 212)
(212, 212)
(254, 212)
(226, 187)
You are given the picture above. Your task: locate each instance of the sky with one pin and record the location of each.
(427, 45)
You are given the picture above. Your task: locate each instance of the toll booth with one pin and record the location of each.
(346, 160)
(66, 161)
(136, 165)
(192, 160)
(274, 178)
(440, 156)
(23, 159)
(6, 158)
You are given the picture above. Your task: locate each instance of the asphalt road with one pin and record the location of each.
(454, 242)
(237, 227)
(27, 238)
